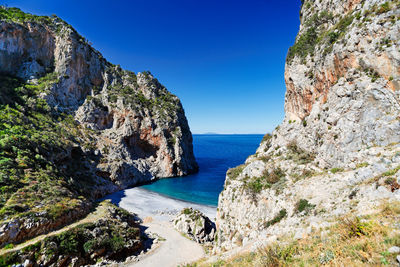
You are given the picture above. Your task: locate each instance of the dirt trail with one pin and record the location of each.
(175, 250)
(91, 217)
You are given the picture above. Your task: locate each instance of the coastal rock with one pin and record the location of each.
(140, 128)
(336, 151)
(97, 128)
(195, 225)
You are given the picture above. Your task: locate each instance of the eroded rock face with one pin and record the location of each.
(344, 95)
(141, 131)
(337, 148)
(195, 225)
(117, 129)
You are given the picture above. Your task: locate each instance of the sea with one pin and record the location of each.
(215, 154)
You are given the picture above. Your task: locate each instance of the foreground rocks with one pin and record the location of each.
(113, 236)
(195, 225)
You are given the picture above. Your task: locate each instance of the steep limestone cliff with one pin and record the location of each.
(337, 150)
(76, 126)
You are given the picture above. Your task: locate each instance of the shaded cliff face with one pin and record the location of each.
(336, 152)
(76, 125)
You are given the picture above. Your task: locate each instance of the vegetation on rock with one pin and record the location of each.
(115, 236)
(38, 174)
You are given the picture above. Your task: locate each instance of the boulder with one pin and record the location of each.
(195, 225)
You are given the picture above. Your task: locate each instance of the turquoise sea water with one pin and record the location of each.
(215, 154)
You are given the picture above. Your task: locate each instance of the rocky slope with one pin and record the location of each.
(113, 237)
(75, 127)
(337, 150)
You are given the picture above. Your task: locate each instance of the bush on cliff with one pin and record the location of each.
(41, 169)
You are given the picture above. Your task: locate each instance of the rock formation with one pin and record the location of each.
(337, 150)
(141, 129)
(195, 225)
(113, 235)
(75, 127)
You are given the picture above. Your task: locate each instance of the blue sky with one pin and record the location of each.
(224, 59)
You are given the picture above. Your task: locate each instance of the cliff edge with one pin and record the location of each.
(75, 127)
(337, 151)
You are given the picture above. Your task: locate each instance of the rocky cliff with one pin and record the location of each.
(337, 151)
(75, 127)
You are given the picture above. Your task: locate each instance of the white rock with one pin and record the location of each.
(394, 250)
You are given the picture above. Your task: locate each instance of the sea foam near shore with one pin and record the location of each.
(146, 203)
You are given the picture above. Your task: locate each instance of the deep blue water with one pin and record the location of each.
(215, 154)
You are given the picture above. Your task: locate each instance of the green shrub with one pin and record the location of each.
(266, 138)
(278, 254)
(282, 214)
(362, 165)
(304, 45)
(69, 243)
(385, 7)
(354, 227)
(187, 211)
(391, 172)
(116, 242)
(15, 14)
(235, 172)
(335, 170)
(304, 205)
(9, 259)
(257, 184)
(9, 246)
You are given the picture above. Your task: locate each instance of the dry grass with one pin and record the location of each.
(352, 241)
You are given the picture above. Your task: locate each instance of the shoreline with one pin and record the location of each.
(146, 203)
(167, 247)
(178, 199)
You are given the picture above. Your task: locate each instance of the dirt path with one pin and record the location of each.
(175, 250)
(91, 217)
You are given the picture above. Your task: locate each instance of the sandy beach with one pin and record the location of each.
(156, 211)
(146, 203)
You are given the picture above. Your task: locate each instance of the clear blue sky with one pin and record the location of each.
(224, 59)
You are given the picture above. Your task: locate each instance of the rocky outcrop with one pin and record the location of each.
(337, 149)
(195, 225)
(76, 127)
(112, 237)
(139, 121)
(343, 95)
(141, 129)
(18, 229)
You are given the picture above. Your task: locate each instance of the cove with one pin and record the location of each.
(215, 154)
